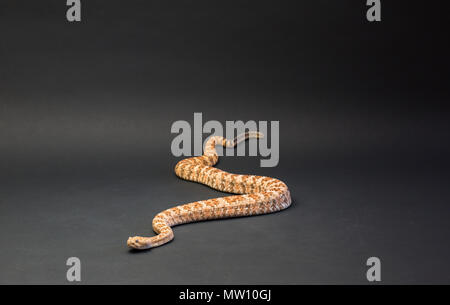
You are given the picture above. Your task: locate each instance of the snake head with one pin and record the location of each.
(138, 242)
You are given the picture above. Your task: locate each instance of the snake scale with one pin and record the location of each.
(258, 194)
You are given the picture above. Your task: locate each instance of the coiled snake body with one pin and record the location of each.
(259, 194)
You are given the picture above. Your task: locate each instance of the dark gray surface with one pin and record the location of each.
(85, 162)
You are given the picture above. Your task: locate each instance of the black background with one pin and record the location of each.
(85, 160)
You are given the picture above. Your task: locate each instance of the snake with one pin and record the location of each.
(256, 194)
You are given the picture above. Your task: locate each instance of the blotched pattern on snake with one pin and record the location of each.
(258, 194)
